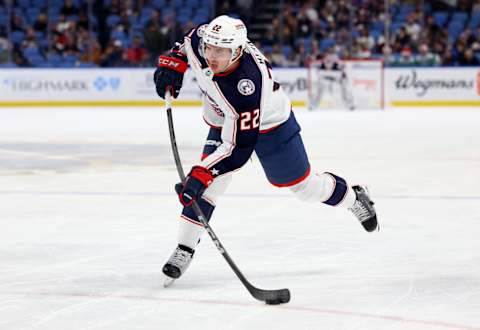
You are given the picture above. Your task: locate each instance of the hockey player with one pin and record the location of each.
(331, 71)
(247, 111)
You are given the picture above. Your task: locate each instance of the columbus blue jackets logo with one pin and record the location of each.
(201, 30)
(246, 87)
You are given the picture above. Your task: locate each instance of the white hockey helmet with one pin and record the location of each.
(227, 32)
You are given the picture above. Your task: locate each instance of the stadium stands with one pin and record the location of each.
(74, 33)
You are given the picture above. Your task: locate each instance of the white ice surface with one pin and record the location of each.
(88, 217)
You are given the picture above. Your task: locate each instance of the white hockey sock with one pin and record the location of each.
(322, 188)
(189, 233)
(190, 229)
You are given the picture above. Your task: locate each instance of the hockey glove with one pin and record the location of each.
(169, 73)
(195, 184)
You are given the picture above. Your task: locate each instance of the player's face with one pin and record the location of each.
(217, 57)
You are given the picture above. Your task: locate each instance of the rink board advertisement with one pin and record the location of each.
(135, 87)
(433, 86)
(115, 87)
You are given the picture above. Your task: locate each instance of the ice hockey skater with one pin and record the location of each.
(330, 73)
(247, 112)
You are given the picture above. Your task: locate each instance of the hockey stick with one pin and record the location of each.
(271, 297)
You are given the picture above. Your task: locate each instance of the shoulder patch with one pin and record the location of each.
(246, 87)
(201, 30)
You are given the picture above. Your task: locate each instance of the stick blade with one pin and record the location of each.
(272, 297)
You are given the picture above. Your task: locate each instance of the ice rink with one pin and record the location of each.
(88, 217)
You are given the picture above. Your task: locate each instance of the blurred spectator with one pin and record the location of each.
(467, 58)
(114, 7)
(406, 58)
(17, 23)
(156, 40)
(412, 27)
(292, 60)
(343, 15)
(136, 52)
(62, 24)
(361, 51)
(389, 59)
(83, 21)
(401, 40)
(311, 12)
(432, 30)
(41, 23)
(270, 39)
(439, 46)
(154, 19)
(69, 9)
(476, 5)
(30, 40)
(447, 57)
(125, 21)
(301, 56)
(464, 5)
(114, 55)
(365, 40)
(277, 57)
(468, 36)
(92, 53)
(290, 23)
(4, 48)
(363, 17)
(425, 57)
(304, 23)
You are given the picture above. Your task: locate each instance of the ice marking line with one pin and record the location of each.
(290, 307)
(234, 195)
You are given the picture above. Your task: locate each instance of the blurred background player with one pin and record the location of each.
(330, 75)
(247, 111)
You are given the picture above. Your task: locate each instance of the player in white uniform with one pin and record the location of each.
(330, 71)
(247, 111)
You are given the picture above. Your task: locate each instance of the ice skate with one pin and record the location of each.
(177, 264)
(364, 210)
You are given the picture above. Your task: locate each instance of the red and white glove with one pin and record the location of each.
(169, 73)
(195, 184)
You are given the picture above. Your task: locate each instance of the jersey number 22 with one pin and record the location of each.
(249, 120)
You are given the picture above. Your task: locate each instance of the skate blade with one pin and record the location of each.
(168, 281)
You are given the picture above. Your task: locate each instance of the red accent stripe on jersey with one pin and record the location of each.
(263, 131)
(225, 73)
(204, 156)
(191, 220)
(294, 182)
(205, 120)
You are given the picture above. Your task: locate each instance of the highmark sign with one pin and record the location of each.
(29, 85)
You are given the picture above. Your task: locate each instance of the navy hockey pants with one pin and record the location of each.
(280, 151)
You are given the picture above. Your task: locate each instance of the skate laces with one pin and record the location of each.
(180, 258)
(362, 208)
(361, 211)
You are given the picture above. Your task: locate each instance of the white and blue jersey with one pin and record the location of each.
(246, 109)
